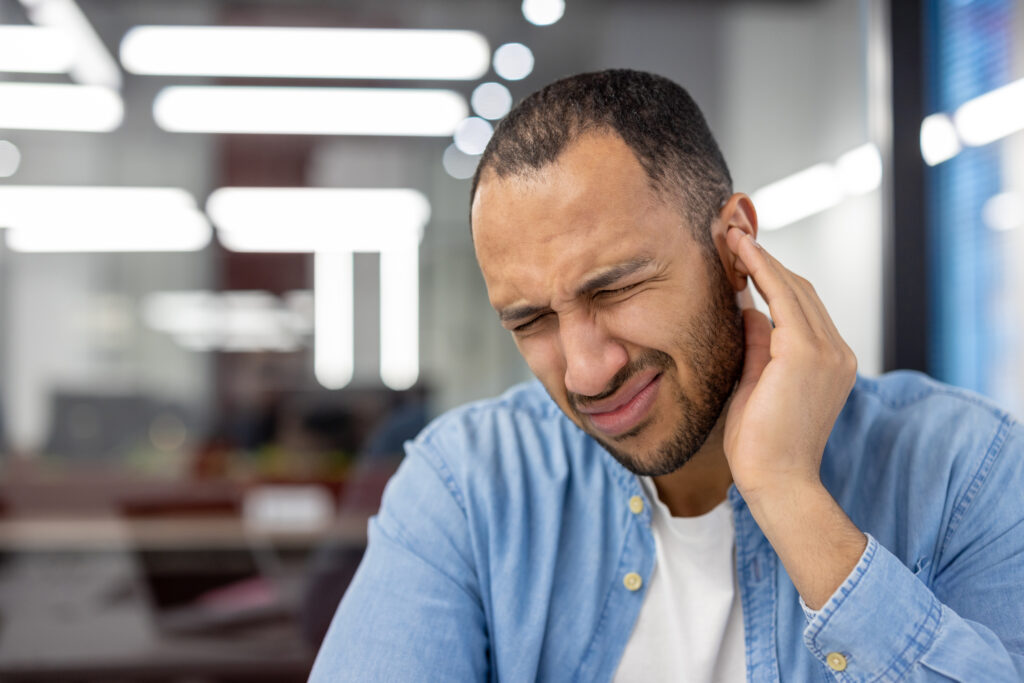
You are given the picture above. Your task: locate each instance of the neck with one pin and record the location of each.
(703, 482)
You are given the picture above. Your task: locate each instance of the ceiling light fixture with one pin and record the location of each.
(60, 107)
(311, 219)
(939, 141)
(818, 188)
(280, 52)
(991, 116)
(93, 64)
(10, 159)
(310, 111)
(34, 49)
(101, 219)
(333, 321)
(334, 224)
(399, 316)
(860, 170)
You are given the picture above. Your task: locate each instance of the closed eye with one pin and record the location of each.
(620, 290)
(529, 324)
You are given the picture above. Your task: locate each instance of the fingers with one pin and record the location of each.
(791, 299)
(771, 280)
(795, 300)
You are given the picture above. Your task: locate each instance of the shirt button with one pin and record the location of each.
(836, 661)
(632, 581)
(636, 505)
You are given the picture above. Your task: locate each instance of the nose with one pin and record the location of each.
(592, 355)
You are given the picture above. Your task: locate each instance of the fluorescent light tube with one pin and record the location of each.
(34, 49)
(797, 196)
(334, 224)
(101, 219)
(59, 106)
(309, 219)
(182, 231)
(333, 323)
(991, 116)
(10, 158)
(399, 317)
(309, 111)
(93, 64)
(939, 141)
(818, 188)
(860, 170)
(278, 52)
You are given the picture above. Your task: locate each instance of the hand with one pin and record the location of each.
(796, 378)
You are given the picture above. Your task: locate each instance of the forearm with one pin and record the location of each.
(817, 543)
(866, 605)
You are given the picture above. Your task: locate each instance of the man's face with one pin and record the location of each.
(631, 326)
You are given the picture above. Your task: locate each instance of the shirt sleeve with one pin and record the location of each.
(960, 620)
(413, 610)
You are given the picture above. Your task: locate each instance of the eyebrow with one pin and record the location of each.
(604, 279)
(614, 274)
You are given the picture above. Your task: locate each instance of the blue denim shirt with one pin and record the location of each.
(501, 545)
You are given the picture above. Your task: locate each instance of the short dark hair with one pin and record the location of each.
(656, 117)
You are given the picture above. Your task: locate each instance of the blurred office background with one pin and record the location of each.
(235, 271)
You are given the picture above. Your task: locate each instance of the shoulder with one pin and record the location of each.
(526, 402)
(521, 421)
(521, 436)
(909, 390)
(904, 434)
(911, 407)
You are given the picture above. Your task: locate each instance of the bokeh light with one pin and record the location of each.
(513, 61)
(472, 135)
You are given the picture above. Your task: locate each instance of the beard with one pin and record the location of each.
(713, 344)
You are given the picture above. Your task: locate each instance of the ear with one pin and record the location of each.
(737, 212)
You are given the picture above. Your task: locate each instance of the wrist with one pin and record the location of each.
(816, 542)
(780, 490)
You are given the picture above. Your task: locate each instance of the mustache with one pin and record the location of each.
(648, 359)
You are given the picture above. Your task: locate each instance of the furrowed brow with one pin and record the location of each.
(608, 277)
(515, 313)
(614, 274)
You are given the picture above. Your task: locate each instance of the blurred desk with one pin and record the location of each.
(73, 605)
(112, 532)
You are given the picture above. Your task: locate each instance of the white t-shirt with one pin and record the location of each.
(690, 626)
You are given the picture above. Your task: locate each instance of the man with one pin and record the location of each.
(691, 492)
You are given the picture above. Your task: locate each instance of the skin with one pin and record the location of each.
(604, 287)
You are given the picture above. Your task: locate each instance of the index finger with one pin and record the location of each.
(778, 293)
